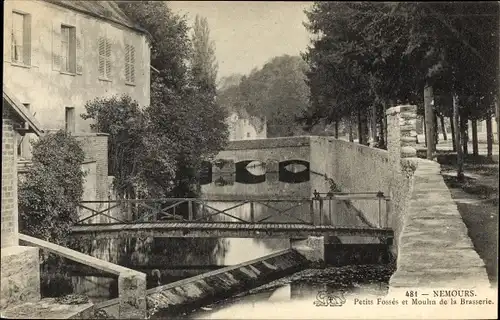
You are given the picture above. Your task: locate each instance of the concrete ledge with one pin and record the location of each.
(20, 275)
(49, 309)
(268, 143)
(434, 248)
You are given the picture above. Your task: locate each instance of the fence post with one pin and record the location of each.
(190, 210)
(252, 212)
(380, 196)
(330, 202)
(320, 212)
(388, 211)
(312, 211)
(132, 295)
(129, 211)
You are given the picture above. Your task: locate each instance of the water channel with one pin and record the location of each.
(165, 260)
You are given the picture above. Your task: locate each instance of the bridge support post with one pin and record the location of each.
(132, 295)
(312, 248)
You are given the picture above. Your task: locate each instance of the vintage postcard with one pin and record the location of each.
(250, 160)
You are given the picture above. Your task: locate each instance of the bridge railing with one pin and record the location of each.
(328, 201)
(318, 210)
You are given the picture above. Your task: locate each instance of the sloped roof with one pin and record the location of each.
(107, 10)
(21, 112)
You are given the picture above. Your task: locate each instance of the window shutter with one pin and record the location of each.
(56, 46)
(108, 59)
(127, 65)
(27, 40)
(8, 36)
(102, 51)
(79, 51)
(132, 64)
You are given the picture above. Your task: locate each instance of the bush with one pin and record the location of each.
(52, 189)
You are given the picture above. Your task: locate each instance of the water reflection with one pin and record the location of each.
(165, 260)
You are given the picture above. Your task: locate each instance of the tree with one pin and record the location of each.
(52, 189)
(203, 61)
(184, 124)
(170, 47)
(392, 51)
(277, 92)
(124, 120)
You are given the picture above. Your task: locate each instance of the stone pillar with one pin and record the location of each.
(272, 171)
(132, 295)
(95, 147)
(312, 248)
(9, 236)
(401, 133)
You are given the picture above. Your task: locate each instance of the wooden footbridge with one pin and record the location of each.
(242, 218)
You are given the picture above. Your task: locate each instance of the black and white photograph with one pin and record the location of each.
(250, 159)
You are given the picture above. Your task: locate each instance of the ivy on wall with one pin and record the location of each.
(52, 188)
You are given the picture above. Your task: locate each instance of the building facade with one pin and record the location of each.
(60, 54)
(242, 126)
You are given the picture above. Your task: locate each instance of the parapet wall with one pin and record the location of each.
(434, 247)
(431, 241)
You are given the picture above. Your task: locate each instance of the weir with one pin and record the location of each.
(203, 289)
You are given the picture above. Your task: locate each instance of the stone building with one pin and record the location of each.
(19, 265)
(243, 126)
(60, 54)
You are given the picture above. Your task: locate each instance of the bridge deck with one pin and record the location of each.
(223, 230)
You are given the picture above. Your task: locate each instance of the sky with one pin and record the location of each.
(248, 34)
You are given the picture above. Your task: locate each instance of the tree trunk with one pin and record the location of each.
(384, 125)
(464, 134)
(453, 139)
(336, 129)
(382, 140)
(489, 136)
(429, 121)
(360, 129)
(351, 133)
(436, 129)
(374, 125)
(460, 156)
(443, 128)
(363, 128)
(497, 117)
(475, 145)
(425, 132)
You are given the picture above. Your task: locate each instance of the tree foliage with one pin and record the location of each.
(125, 122)
(203, 61)
(52, 188)
(277, 92)
(183, 125)
(372, 53)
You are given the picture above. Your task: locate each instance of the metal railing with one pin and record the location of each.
(318, 210)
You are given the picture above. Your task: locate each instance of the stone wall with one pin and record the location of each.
(9, 185)
(434, 247)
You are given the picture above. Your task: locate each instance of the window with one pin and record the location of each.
(248, 134)
(68, 49)
(21, 38)
(70, 120)
(104, 58)
(129, 64)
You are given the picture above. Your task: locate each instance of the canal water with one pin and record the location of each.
(165, 260)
